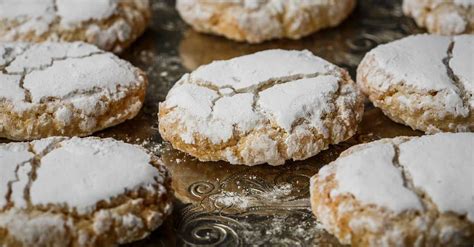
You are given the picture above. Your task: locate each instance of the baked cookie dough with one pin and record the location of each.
(110, 24)
(68, 89)
(447, 17)
(255, 21)
(80, 192)
(405, 191)
(423, 81)
(267, 107)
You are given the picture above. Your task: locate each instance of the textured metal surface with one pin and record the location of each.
(219, 204)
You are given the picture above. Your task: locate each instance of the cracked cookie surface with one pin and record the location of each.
(447, 17)
(80, 192)
(67, 89)
(255, 21)
(110, 24)
(405, 191)
(267, 107)
(423, 81)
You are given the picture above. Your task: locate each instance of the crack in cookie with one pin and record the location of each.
(407, 180)
(9, 54)
(26, 91)
(462, 51)
(43, 67)
(256, 89)
(40, 149)
(13, 193)
(38, 58)
(11, 68)
(14, 155)
(455, 79)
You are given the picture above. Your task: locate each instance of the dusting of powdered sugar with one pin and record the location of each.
(255, 198)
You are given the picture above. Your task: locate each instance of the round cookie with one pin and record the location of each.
(447, 17)
(110, 24)
(423, 81)
(266, 107)
(69, 89)
(255, 21)
(80, 192)
(405, 191)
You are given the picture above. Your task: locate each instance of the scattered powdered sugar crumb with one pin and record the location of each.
(150, 145)
(280, 192)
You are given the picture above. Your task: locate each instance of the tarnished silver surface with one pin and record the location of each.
(220, 204)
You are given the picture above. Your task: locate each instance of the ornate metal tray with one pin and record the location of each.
(218, 204)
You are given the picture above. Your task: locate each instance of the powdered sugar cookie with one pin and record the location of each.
(65, 89)
(255, 21)
(110, 24)
(267, 107)
(406, 191)
(80, 192)
(445, 17)
(423, 81)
